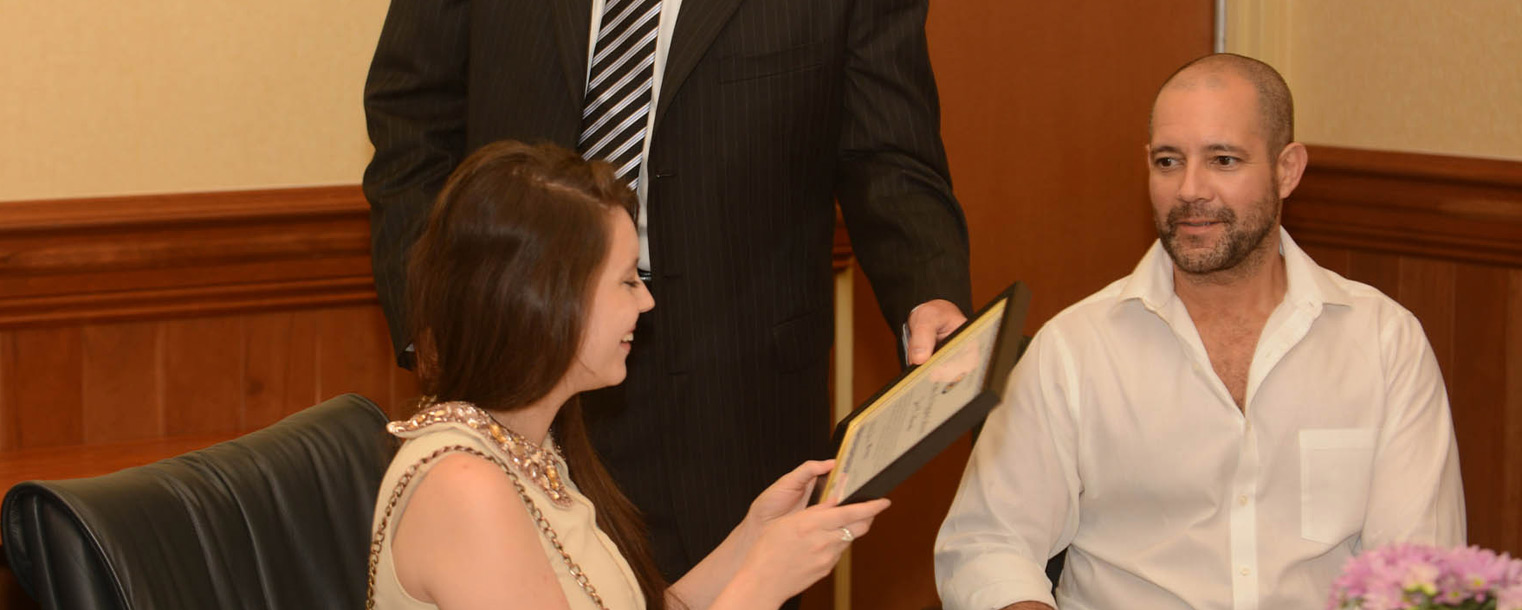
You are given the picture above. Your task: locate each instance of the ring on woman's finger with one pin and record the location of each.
(846, 535)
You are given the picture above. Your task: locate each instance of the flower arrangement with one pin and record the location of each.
(1419, 577)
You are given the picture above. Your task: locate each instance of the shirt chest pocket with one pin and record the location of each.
(1336, 465)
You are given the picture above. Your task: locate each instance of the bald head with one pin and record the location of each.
(1276, 109)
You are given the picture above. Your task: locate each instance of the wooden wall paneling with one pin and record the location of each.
(45, 401)
(1429, 206)
(1479, 412)
(122, 382)
(1376, 269)
(1427, 289)
(8, 421)
(82, 262)
(1511, 403)
(203, 375)
(354, 354)
(280, 370)
(146, 258)
(89, 287)
(1337, 260)
(196, 254)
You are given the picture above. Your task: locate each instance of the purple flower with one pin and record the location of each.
(1509, 598)
(1411, 575)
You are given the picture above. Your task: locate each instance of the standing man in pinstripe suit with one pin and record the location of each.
(739, 122)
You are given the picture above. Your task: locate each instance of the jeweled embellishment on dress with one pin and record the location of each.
(539, 463)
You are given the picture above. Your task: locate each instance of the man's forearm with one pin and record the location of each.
(1028, 606)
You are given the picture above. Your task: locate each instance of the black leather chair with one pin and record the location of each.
(278, 518)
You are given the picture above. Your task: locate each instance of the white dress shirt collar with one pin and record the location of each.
(1152, 280)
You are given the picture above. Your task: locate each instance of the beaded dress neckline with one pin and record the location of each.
(539, 463)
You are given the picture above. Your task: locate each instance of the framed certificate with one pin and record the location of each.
(929, 406)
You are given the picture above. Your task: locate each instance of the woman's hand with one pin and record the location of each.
(789, 494)
(779, 549)
(796, 549)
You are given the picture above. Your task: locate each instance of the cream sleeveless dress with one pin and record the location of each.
(569, 513)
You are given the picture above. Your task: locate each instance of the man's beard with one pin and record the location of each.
(1240, 241)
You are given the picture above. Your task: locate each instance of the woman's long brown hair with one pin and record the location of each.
(499, 286)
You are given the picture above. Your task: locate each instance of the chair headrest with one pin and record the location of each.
(277, 518)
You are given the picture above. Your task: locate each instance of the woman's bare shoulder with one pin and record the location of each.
(466, 540)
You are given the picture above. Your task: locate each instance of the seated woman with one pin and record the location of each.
(524, 293)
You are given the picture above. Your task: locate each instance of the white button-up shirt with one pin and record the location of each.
(1117, 441)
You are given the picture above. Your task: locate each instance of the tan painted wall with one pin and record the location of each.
(1411, 75)
(139, 96)
(152, 96)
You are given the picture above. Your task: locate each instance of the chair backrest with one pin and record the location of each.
(278, 518)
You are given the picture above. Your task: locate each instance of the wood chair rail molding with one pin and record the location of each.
(1455, 208)
(176, 255)
(169, 255)
(114, 259)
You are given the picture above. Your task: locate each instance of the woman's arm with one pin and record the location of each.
(778, 550)
(697, 589)
(466, 541)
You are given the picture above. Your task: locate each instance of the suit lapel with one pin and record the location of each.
(573, 23)
(697, 24)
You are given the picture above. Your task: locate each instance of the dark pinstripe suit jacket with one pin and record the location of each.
(769, 110)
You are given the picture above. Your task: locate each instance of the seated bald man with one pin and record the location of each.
(1224, 427)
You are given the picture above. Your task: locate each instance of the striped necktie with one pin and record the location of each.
(618, 86)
